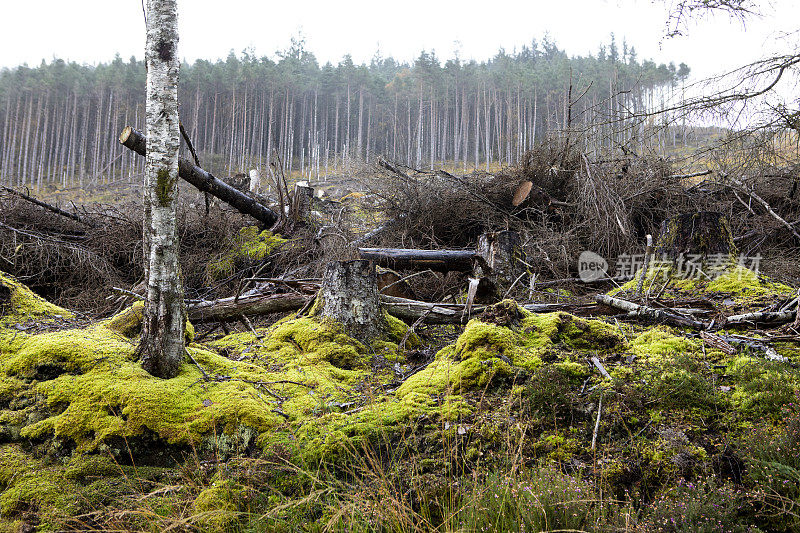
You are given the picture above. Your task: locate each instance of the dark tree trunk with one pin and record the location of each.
(409, 259)
(205, 181)
(350, 297)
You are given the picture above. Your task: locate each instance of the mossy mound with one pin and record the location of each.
(83, 389)
(487, 351)
(737, 287)
(50, 492)
(19, 304)
(300, 403)
(250, 246)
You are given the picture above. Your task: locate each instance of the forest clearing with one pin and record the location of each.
(526, 294)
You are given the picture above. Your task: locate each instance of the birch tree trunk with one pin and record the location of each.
(162, 345)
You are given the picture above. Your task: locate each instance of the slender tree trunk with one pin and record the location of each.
(162, 347)
(360, 138)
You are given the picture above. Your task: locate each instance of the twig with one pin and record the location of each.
(643, 274)
(600, 367)
(202, 371)
(410, 330)
(513, 285)
(189, 144)
(249, 325)
(128, 293)
(597, 422)
(691, 175)
(406, 278)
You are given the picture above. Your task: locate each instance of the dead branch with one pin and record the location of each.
(661, 315)
(49, 207)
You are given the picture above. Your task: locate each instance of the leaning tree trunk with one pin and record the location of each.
(696, 240)
(162, 346)
(205, 181)
(350, 296)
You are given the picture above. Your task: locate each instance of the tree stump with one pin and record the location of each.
(703, 238)
(301, 202)
(350, 296)
(500, 263)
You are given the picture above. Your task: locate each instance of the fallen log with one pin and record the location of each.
(433, 313)
(205, 181)
(649, 312)
(762, 317)
(374, 233)
(410, 259)
(256, 304)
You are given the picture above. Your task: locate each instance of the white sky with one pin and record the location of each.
(91, 31)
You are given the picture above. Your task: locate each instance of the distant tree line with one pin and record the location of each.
(59, 121)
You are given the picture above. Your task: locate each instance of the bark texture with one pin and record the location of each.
(303, 197)
(702, 234)
(162, 346)
(411, 259)
(500, 263)
(256, 304)
(350, 296)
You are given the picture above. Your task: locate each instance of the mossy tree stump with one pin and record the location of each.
(350, 297)
(500, 263)
(703, 238)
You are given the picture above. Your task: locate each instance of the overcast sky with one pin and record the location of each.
(91, 31)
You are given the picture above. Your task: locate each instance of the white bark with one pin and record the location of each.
(162, 346)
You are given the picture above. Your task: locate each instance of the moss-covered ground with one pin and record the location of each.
(296, 426)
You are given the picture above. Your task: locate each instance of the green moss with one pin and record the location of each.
(396, 330)
(164, 186)
(22, 304)
(485, 352)
(744, 285)
(760, 387)
(548, 330)
(658, 344)
(128, 322)
(738, 285)
(217, 506)
(26, 481)
(250, 246)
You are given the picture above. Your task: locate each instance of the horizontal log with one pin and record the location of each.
(433, 313)
(649, 312)
(205, 181)
(410, 259)
(763, 317)
(257, 304)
